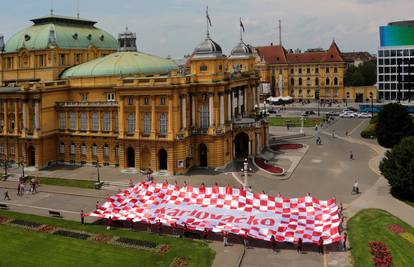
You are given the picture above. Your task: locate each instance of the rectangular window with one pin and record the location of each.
(163, 123)
(1, 149)
(106, 122)
(94, 150)
(62, 148)
(84, 97)
(62, 120)
(147, 123)
(84, 121)
(130, 101)
(146, 100)
(203, 68)
(162, 100)
(72, 121)
(106, 151)
(204, 117)
(316, 70)
(327, 92)
(115, 126)
(83, 150)
(327, 69)
(117, 151)
(131, 123)
(62, 59)
(336, 92)
(95, 121)
(77, 58)
(12, 151)
(72, 149)
(110, 97)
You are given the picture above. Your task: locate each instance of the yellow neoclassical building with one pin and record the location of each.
(72, 94)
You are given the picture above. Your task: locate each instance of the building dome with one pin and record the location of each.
(208, 48)
(121, 63)
(62, 32)
(241, 50)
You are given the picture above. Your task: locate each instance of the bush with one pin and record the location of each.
(394, 123)
(398, 168)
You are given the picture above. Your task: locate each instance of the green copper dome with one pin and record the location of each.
(62, 32)
(121, 63)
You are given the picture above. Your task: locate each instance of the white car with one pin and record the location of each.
(347, 115)
(364, 115)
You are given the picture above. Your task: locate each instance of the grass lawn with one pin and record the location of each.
(295, 121)
(66, 182)
(29, 248)
(372, 225)
(369, 131)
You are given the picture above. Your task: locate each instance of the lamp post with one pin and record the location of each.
(372, 104)
(319, 103)
(245, 171)
(301, 124)
(22, 164)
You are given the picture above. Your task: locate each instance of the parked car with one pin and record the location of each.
(332, 114)
(348, 114)
(349, 109)
(308, 113)
(364, 115)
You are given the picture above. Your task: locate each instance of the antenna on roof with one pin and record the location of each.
(77, 8)
(51, 7)
(280, 32)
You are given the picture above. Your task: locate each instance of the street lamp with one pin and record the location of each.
(22, 164)
(302, 118)
(372, 104)
(245, 171)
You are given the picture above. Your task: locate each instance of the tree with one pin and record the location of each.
(394, 123)
(398, 168)
(363, 75)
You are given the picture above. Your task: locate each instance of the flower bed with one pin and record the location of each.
(27, 224)
(3, 220)
(408, 236)
(101, 238)
(46, 229)
(164, 249)
(180, 262)
(267, 167)
(136, 242)
(396, 229)
(286, 146)
(381, 254)
(72, 234)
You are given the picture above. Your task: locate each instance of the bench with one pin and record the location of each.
(54, 213)
(4, 206)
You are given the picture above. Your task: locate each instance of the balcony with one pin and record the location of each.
(74, 104)
(247, 123)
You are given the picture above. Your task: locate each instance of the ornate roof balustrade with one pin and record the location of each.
(74, 104)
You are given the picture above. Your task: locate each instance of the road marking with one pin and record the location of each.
(237, 179)
(356, 127)
(316, 161)
(40, 208)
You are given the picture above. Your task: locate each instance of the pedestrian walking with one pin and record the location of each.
(273, 242)
(333, 134)
(344, 238)
(18, 189)
(82, 216)
(21, 189)
(225, 238)
(355, 188)
(109, 223)
(346, 133)
(205, 234)
(159, 225)
(321, 245)
(97, 205)
(6, 195)
(185, 230)
(300, 246)
(245, 240)
(351, 155)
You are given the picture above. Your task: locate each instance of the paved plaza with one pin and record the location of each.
(321, 170)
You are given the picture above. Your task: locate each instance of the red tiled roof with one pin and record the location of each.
(333, 54)
(272, 54)
(306, 57)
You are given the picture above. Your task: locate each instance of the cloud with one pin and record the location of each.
(175, 27)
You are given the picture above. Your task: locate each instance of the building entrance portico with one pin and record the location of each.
(241, 145)
(163, 159)
(203, 155)
(130, 157)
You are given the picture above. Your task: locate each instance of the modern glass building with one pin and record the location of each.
(396, 47)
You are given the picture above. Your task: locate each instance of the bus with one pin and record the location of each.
(375, 108)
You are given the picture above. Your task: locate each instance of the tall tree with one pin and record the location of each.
(363, 75)
(398, 168)
(394, 123)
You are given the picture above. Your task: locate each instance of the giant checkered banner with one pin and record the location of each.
(226, 209)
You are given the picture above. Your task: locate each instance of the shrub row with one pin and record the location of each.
(26, 223)
(136, 242)
(72, 234)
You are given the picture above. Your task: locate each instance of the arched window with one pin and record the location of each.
(335, 81)
(163, 123)
(62, 148)
(117, 151)
(300, 81)
(72, 149)
(94, 150)
(106, 150)
(327, 82)
(292, 81)
(316, 81)
(83, 149)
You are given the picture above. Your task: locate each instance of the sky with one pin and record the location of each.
(175, 27)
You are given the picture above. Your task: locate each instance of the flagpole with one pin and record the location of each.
(241, 31)
(208, 30)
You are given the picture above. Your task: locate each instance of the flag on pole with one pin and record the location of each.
(241, 25)
(208, 17)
